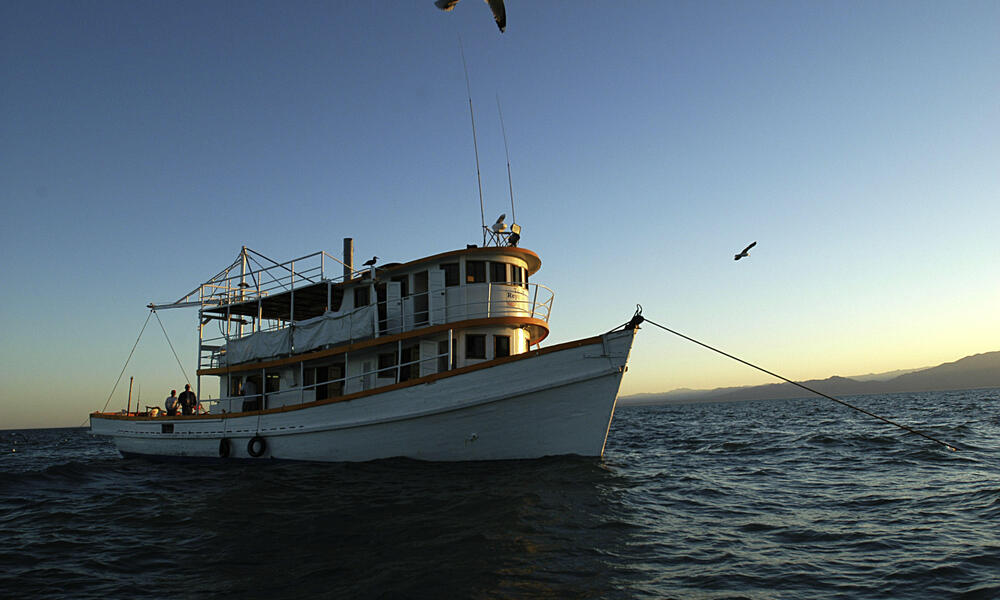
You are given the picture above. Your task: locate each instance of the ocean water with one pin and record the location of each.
(776, 499)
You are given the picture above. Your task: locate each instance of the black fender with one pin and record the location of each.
(257, 446)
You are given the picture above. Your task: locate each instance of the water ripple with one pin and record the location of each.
(783, 499)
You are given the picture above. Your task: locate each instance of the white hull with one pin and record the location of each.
(539, 404)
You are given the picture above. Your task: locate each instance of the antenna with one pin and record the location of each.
(475, 146)
(510, 185)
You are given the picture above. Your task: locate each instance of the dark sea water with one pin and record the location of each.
(775, 499)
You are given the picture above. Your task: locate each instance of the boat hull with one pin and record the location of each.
(553, 403)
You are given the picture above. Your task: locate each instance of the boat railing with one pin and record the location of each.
(471, 301)
(258, 280)
(253, 276)
(407, 313)
(349, 384)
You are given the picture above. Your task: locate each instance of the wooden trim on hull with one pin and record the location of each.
(357, 395)
(386, 339)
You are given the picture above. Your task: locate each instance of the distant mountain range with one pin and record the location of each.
(977, 371)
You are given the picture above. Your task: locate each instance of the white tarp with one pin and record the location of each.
(329, 328)
(334, 328)
(258, 345)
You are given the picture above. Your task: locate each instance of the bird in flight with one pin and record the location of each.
(499, 13)
(371, 263)
(745, 252)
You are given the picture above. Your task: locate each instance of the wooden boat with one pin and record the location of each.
(435, 359)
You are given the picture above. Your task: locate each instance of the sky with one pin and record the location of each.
(143, 143)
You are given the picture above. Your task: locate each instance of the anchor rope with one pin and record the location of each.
(183, 372)
(638, 316)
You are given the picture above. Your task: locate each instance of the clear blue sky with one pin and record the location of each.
(142, 143)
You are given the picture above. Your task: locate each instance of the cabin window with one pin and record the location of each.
(387, 365)
(498, 272)
(442, 365)
(410, 371)
(362, 296)
(319, 377)
(450, 274)
(421, 310)
(336, 298)
(382, 306)
(501, 346)
(475, 345)
(475, 271)
(517, 274)
(272, 383)
(335, 377)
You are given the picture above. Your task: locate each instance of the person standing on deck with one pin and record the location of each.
(188, 400)
(171, 403)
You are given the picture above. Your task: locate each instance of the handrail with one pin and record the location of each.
(223, 289)
(343, 380)
(408, 319)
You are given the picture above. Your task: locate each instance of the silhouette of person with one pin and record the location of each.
(188, 400)
(172, 403)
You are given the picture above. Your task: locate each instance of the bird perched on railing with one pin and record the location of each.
(745, 252)
(371, 263)
(499, 13)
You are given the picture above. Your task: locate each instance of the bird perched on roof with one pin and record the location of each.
(499, 13)
(745, 252)
(499, 225)
(371, 263)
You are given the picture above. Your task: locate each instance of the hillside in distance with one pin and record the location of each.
(971, 372)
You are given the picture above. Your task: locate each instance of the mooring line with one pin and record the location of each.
(805, 387)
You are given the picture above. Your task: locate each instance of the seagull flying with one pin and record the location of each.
(371, 263)
(745, 252)
(499, 13)
(499, 225)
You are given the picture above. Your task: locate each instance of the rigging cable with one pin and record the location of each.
(807, 388)
(475, 146)
(510, 183)
(183, 372)
(125, 366)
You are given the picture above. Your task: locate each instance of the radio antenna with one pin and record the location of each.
(510, 184)
(475, 146)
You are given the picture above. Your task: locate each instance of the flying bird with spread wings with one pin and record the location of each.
(745, 253)
(499, 13)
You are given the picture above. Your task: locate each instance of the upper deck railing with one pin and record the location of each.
(253, 276)
(382, 318)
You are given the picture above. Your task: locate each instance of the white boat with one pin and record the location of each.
(436, 359)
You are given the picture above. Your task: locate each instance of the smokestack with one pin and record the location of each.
(348, 258)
